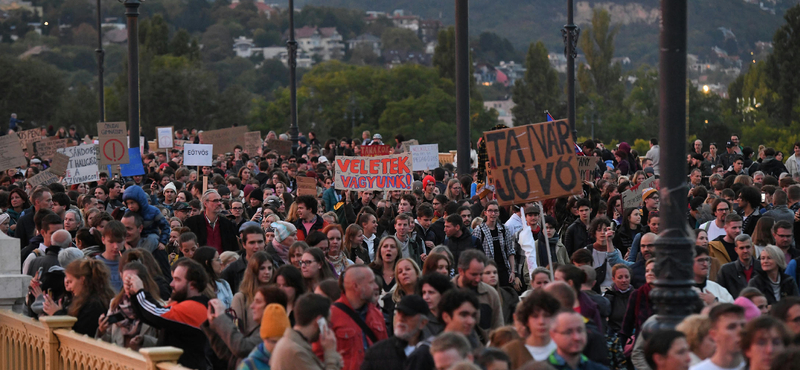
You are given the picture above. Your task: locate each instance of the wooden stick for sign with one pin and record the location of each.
(205, 184)
(546, 240)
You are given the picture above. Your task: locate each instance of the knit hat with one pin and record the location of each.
(283, 230)
(751, 311)
(274, 322)
(649, 193)
(257, 194)
(4, 217)
(248, 189)
(171, 186)
(427, 180)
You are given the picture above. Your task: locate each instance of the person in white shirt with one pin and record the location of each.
(727, 321)
(708, 290)
(369, 223)
(50, 224)
(533, 319)
(716, 227)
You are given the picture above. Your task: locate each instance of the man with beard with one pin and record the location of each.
(411, 315)
(355, 316)
(648, 248)
(470, 271)
(181, 318)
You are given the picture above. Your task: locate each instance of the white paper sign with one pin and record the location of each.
(142, 141)
(424, 157)
(198, 154)
(82, 164)
(164, 137)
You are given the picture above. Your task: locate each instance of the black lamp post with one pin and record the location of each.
(462, 86)
(132, 14)
(100, 59)
(570, 33)
(291, 45)
(673, 295)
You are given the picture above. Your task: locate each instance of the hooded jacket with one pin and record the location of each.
(153, 222)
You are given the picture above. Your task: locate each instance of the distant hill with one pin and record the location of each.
(524, 21)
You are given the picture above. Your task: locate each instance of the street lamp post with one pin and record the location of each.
(291, 46)
(673, 295)
(132, 14)
(100, 59)
(570, 33)
(462, 86)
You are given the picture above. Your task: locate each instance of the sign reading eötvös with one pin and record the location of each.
(198, 154)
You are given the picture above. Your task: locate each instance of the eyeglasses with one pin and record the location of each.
(723, 209)
(703, 260)
(236, 208)
(306, 263)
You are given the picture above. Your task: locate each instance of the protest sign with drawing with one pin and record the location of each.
(391, 172)
(164, 137)
(424, 157)
(82, 164)
(12, 155)
(632, 197)
(113, 147)
(533, 162)
(224, 139)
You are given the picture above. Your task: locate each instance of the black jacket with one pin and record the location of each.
(387, 354)
(88, 317)
(761, 282)
(26, 229)
(637, 273)
(731, 276)
(460, 244)
(46, 261)
(619, 305)
(577, 237)
(234, 273)
(227, 231)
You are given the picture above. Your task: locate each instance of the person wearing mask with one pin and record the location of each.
(470, 271)
(734, 276)
(568, 332)
(771, 279)
(411, 316)
(273, 324)
(212, 230)
(534, 314)
(727, 321)
(293, 351)
(723, 248)
(667, 350)
(181, 319)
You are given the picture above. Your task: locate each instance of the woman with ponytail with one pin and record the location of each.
(87, 282)
(128, 330)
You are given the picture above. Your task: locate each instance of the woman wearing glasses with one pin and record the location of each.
(315, 268)
(497, 242)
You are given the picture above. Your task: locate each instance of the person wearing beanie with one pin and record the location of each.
(285, 236)
(170, 195)
(254, 200)
(428, 188)
(273, 324)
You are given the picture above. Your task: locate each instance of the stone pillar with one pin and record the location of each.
(13, 284)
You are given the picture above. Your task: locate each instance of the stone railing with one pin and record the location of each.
(50, 344)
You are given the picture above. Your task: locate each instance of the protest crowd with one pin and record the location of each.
(267, 258)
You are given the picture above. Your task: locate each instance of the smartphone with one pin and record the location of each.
(763, 197)
(39, 273)
(259, 210)
(323, 325)
(211, 308)
(115, 318)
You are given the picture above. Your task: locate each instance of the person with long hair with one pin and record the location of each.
(386, 258)
(604, 253)
(88, 283)
(296, 253)
(614, 210)
(18, 202)
(315, 268)
(431, 288)
(130, 332)
(259, 272)
(454, 191)
(436, 263)
(354, 244)
(406, 274)
(762, 235)
(289, 279)
(146, 258)
(497, 243)
(335, 254)
(627, 230)
(209, 258)
(640, 307)
(508, 296)
(771, 278)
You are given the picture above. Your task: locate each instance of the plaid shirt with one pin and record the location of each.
(484, 236)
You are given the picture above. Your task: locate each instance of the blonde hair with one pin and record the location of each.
(398, 290)
(776, 254)
(696, 328)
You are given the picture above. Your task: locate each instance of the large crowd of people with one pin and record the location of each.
(248, 274)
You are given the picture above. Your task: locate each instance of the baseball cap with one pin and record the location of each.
(730, 144)
(182, 206)
(413, 305)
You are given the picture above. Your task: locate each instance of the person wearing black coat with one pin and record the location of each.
(762, 282)
(458, 239)
(732, 277)
(389, 354)
(227, 231)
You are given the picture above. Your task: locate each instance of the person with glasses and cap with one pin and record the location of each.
(212, 230)
(411, 315)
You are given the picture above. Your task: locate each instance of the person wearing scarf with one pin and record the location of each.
(639, 305)
(335, 253)
(285, 236)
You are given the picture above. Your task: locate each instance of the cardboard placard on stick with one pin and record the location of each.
(586, 166)
(12, 155)
(375, 150)
(306, 186)
(43, 178)
(224, 139)
(407, 144)
(59, 163)
(632, 198)
(282, 147)
(82, 164)
(252, 143)
(198, 154)
(390, 172)
(178, 144)
(533, 162)
(113, 143)
(47, 148)
(164, 137)
(424, 157)
(29, 136)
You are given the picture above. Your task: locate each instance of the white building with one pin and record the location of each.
(324, 43)
(503, 108)
(366, 39)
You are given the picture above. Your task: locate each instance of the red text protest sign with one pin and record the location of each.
(391, 172)
(375, 150)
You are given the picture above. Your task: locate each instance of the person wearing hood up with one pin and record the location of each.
(153, 222)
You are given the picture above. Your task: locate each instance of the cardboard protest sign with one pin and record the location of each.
(407, 145)
(152, 146)
(306, 186)
(82, 164)
(446, 158)
(43, 178)
(586, 166)
(252, 143)
(424, 157)
(11, 156)
(113, 143)
(198, 154)
(134, 168)
(29, 136)
(533, 162)
(282, 147)
(59, 163)
(224, 139)
(391, 172)
(164, 137)
(375, 150)
(178, 144)
(47, 148)
(632, 198)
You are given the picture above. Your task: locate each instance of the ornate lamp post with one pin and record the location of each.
(132, 14)
(462, 86)
(570, 33)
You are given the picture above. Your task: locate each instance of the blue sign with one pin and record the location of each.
(135, 167)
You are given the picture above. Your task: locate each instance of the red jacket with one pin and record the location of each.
(349, 337)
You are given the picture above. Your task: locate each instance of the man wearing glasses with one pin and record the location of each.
(709, 291)
(716, 227)
(212, 230)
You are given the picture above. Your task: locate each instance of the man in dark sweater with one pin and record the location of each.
(577, 235)
(42, 198)
(458, 240)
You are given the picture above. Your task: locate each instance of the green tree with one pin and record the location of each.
(784, 77)
(31, 89)
(643, 102)
(401, 39)
(264, 38)
(84, 35)
(363, 54)
(444, 60)
(156, 39)
(79, 107)
(217, 43)
(538, 91)
(492, 48)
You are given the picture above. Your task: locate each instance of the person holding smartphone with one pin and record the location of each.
(121, 326)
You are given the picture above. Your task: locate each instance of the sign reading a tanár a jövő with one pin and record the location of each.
(533, 162)
(391, 172)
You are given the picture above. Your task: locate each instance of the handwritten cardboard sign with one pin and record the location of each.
(282, 147)
(59, 163)
(43, 178)
(307, 186)
(424, 157)
(586, 166)
(390, 172)
(406, 145)
(224, 139)
(29, 136)
(11, 155)
(533, 162)
(178, 144)
(47, 148)
(632, 198)
(446, 158)
(82, 164)
(375, 150)
(252, 143)
(113, 143)
(164, 137)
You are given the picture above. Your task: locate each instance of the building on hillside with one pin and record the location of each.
(429, 30)
(320, 43)
(244, 47)
(503, 108)
(115, 36)
(366, 39)
(511, 71)
(558, 61)
(395, 58)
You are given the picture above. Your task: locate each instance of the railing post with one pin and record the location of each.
(155, 355)
(52, 323)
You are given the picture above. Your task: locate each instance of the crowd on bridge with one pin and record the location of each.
(248, 274)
